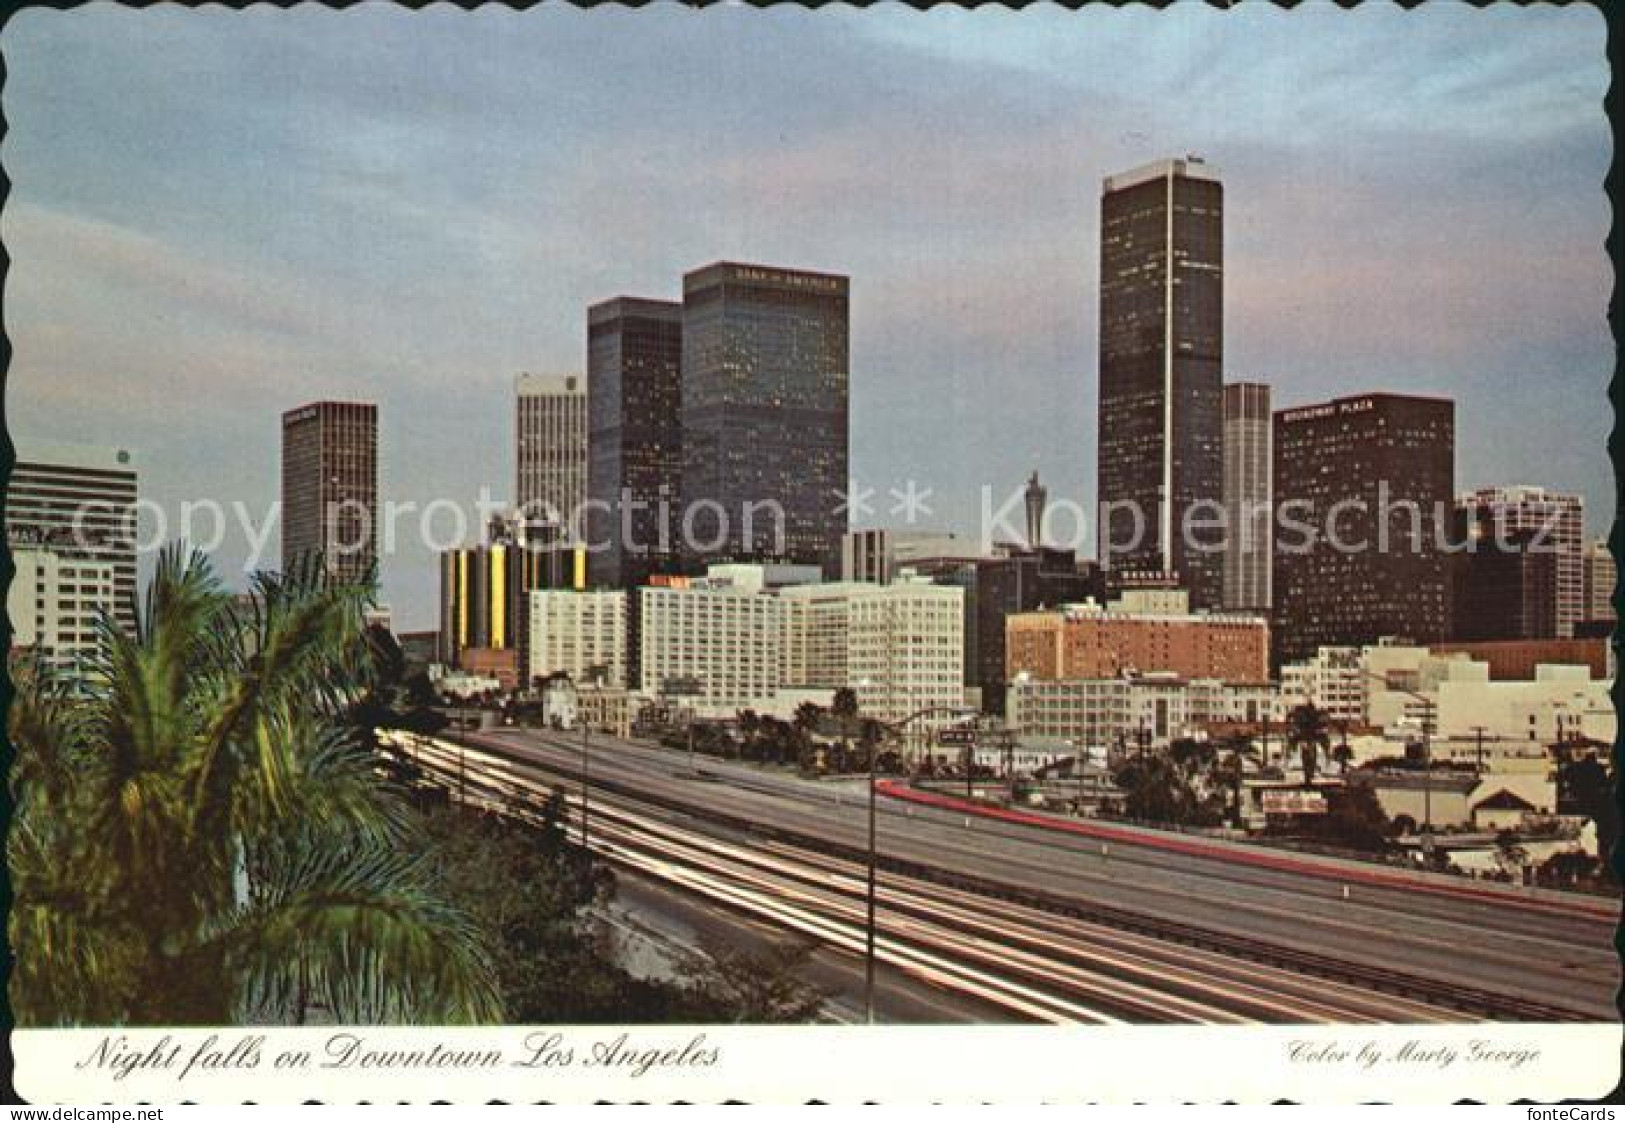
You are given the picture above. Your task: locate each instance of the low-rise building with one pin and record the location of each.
(1088, 641)
(1135, 710)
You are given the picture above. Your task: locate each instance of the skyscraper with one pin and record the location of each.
(1364, 489)
(1247, 430)
(76, 503)
(1161, 369)
(550, 431)
(1600, 577)
(1555, 523)
(330, 485)
(635, 450)
(764, 415)
(1505, 586)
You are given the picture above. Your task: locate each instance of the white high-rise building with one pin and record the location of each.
(718, 647)
(1601, 574)
(580, 634)
(906, 651)
(901, 647)
(551, 439)
(1246, 497)
(54, 601)
(818, 620)
(77, 501)
(1558, 521)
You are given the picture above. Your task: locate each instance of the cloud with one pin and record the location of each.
(218, 214)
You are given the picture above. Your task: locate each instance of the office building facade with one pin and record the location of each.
(1092, 641)
(1381, 467)
(1020, 581)
(876, 555)
(1547, 530)
(330, 486)
(581, 634)
(900, 646)
(77, 503)
(550, 440)
(764, 415)
(1161, 373)
(635, 449)
(1601, 575)
(485, 593)
(714, 647)
(1248, 427)
(54, 602)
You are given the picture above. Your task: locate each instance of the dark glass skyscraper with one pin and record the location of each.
(1161, 358)
(634, 440)
(764, 414)
(1364, 495)
(330, 486)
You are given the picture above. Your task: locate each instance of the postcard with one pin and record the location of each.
(783, 554)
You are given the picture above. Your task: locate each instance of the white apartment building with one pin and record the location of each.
(1600, 574)
(718, 645)
(1131, 710)
(900, 646)
(573, 632)
(79, 502)
(54, 600)
(818, 620)
(906, 651)
(1333, 681)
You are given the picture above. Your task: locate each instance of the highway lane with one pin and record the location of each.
(1219, 882)
(1502, 909)
(689, 924)
(1033, 964)
(1556, 959)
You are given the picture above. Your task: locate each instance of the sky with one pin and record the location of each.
(218, 215)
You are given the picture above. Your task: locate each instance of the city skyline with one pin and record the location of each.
(983, 285)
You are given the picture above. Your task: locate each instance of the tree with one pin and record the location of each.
(808, 717)
(1309, 732)
(201, 840)
(1584, 788)
(764, 987)
(1510, 853)
(845, 704)
(1353, 819)
(1159, 790)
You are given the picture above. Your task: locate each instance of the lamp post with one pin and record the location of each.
(873, 862)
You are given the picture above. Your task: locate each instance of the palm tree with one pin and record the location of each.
(1308, 731)
(199, 838)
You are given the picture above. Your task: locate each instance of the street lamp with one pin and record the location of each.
(874, 854)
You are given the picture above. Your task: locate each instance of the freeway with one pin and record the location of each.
(1052, 926)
